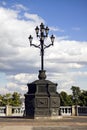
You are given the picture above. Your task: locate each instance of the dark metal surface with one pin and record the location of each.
(42, 98)
(42, 34)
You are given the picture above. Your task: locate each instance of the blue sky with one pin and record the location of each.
(69, 15)
(65, 62)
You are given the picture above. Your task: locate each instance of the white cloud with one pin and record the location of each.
(3, 90)
(19, 82)
(76, 28)
(3, 3)
(63, 37)
(14, 47)
(75, 65)
(66, 51)
(34, 17)
(20, 62)
(56, 29)
(22, 78)
(20, 7)
(12, 87)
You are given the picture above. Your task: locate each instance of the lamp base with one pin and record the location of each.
(42, 74)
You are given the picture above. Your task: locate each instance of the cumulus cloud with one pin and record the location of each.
(14, 46)
(66, 51)
(20, 7)
(34, 17)
(56, 29)
(3, 3)
(76, 28)
(20, 63)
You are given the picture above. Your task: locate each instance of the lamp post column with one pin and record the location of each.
(42, 55)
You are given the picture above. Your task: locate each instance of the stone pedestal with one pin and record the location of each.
(42, 99)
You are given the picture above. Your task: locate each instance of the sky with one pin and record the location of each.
(65, 62)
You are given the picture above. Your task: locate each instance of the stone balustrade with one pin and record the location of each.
(2, 111)
(64, 111)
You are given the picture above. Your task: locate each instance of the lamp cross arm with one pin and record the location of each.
(46, 46)
(35, 45)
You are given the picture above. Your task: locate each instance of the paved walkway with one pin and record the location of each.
(41, 128)
(65, 123)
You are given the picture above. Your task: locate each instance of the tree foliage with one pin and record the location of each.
(10, 99)
(65, 99)
(83, 98)
(78, 97)
(16, 99)
(75, 94)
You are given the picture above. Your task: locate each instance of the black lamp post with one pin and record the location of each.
(42, 99)
(42, 34)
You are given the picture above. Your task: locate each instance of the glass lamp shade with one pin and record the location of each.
(47, 30)
(52, 38)
(42, 28)
(37, 30)
(30, 39)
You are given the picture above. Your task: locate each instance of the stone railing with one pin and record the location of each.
(82, 111)
(11, 111)
(18, 111)
(64, 111)
(2, 111)
(73, 110)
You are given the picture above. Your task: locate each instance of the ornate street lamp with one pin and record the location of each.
(42, 99)
(42, 34)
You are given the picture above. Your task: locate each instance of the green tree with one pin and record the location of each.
(65, 99)
(16, 99)
(75, 94)
(7, 99)
(1, 100)
(83, 98)
(10, 99)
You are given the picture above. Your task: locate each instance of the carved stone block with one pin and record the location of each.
(41, 102)
(42, 89)
(41, 112)
(54, 102)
